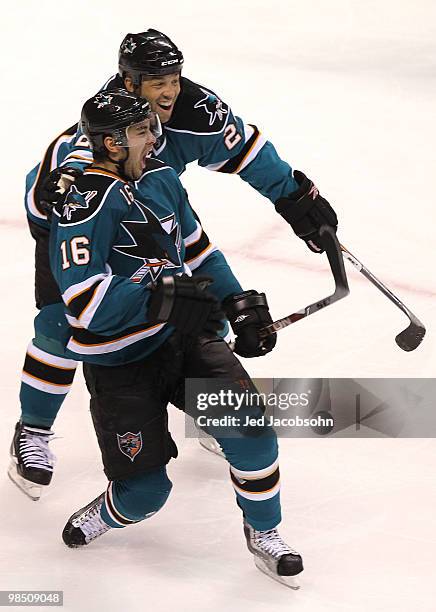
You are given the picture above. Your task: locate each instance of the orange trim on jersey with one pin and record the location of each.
(90, 301)
(199, 254)
(195, 241)
(80, 293)
(247, 154)
(74, 341)
(74, 156)
(104, 173)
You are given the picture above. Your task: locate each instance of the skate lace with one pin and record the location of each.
(91, 523)
(34, 448)
(271, 543)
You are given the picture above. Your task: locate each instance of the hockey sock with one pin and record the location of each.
(133, 499)
(254, 471)
(45, 382)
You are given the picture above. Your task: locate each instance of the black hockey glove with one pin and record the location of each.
(248, 312)
(306, 211)
(54, 187)
(183, 301)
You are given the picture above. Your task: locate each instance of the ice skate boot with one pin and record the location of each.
(32, 461)
(273, 556)
(85, 525)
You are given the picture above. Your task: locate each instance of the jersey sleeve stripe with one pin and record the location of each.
(197, 247)
(86, 343)
(195, 262)
(70, 160)
(251, 154)
(79, 156)
(80, 302)
(97, 297)
(237, 163)
(194, 237)
(75, 291)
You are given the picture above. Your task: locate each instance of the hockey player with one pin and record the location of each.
(141, 324)
(197, 126)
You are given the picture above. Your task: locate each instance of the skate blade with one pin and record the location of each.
(212, 446)
(31, 489)
(288, 581)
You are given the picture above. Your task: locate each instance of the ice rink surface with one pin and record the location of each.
(345, 90)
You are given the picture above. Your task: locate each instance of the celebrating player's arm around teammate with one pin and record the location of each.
(197, 126)
(142, 325)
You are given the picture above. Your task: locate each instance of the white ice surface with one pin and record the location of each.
(345, 90)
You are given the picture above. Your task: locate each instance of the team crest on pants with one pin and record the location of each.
(130, 444)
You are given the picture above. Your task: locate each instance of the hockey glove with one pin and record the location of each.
(183, 301)
(248, 312)
(54, 187)
(306, 211)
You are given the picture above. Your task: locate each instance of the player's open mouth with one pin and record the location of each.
(145, 157)
(166, 106)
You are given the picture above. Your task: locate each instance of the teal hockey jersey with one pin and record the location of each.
(202, 128)
(108, 242)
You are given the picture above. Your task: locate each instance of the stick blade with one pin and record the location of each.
(411, 337)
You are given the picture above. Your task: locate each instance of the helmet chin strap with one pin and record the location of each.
(120, 163)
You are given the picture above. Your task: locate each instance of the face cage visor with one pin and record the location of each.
(122, 137)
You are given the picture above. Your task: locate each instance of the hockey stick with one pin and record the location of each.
(333, 250)
(411, 337)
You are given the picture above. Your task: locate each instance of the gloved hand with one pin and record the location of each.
(247, 313)
(306, 211)
(183, 301)
(54, 187)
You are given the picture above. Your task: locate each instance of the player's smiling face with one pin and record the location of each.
(162, 93)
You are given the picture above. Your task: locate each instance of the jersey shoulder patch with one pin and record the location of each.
(198, 110)
(86, 196)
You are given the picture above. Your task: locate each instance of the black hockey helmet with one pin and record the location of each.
(148, 54)
(110, 113)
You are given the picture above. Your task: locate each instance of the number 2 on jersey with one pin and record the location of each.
(231, 136)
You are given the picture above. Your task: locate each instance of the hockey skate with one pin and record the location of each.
(32, 461)
(85, 525)
(273, 556)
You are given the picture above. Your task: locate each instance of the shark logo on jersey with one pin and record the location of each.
(76, 200)
(128, 46)
(212, 105)
(157, 242)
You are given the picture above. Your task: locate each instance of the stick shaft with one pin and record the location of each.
(377, 283)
